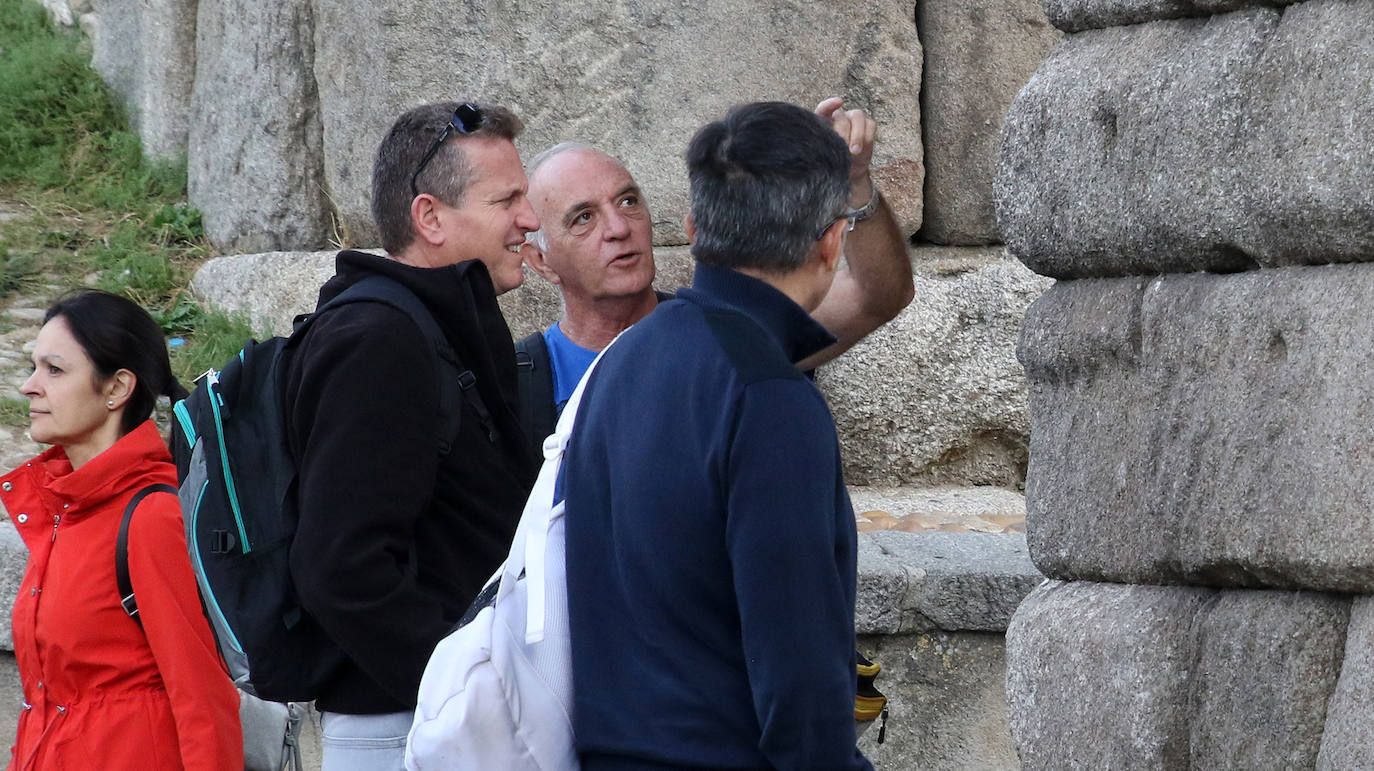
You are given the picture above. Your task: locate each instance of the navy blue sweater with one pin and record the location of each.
(711, 544)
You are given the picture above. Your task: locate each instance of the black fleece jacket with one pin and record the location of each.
(395, 541)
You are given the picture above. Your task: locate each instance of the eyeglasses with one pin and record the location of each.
(466, 119)
(849, 228)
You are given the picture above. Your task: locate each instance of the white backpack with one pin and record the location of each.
(497, 692)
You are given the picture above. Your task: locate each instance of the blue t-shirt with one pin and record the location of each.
(570, 361)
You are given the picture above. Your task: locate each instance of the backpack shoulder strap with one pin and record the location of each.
(532, 533)
(534, 378)
(382, 289)
(126, 586)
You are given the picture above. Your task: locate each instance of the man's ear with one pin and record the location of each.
(426, 218)
(534, 258)
(691, 227)
(831, 246)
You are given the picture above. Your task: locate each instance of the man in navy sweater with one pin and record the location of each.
(711, 542)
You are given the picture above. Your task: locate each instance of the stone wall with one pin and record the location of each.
(1196, 174)
(280, 107)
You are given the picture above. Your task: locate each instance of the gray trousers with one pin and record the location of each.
(364, 742)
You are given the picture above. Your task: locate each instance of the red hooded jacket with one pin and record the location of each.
(99, 691)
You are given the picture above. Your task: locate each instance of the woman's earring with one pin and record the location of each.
(110, 403)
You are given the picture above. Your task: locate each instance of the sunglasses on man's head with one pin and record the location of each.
(466, 119)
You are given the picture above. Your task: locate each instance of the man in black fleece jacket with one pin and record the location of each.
(396, 535)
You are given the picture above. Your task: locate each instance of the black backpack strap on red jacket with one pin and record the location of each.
(126, 586)
(534, 378)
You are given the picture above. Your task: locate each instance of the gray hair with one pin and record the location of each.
(766, 180)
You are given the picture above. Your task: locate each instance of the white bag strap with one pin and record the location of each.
(532, 535)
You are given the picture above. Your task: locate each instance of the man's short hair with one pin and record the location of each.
(446, 175)
(765, 180)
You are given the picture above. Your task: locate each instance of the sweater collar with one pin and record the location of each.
(796, 332)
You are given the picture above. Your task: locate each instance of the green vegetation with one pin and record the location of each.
(14, 412)
(91, 211)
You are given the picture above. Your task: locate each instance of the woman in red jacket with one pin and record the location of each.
(101, 690)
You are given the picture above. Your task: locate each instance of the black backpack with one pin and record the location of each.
(237, 495)
(534, 381)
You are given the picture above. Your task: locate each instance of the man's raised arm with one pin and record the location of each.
(875, 284)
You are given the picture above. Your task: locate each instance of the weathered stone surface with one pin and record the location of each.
(1268, 665)
(881, 588)
(966, 581)
(1347, 741)
(946, 705)
(1201, 144)
(255, 164)
(1120, 676)
(977, 56)
(1204, 429)
(596, 73)
(936, 395)
(13, 557)
(1079, 15)
(1097, 675)
(145, 52)
(270, 288)
(60, 12)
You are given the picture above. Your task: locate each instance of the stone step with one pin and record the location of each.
(962, 566)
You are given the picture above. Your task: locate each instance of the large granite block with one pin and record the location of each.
(1204, 429)
(1222, 144)
(146, 52)
(977, 56)
(1347, 741)
(936, 395)
(1122, 676)
(636, 78)
(1079, 15)
(947, 708)
(256, 164)
(955, 581)
(1267, 666)
(1097, 675)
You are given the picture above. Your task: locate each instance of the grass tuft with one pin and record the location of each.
(217, 338)
(14, 413)
(95, 211)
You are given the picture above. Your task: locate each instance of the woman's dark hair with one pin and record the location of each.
(117, 334)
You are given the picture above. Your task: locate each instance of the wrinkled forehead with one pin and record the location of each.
(579, 175)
